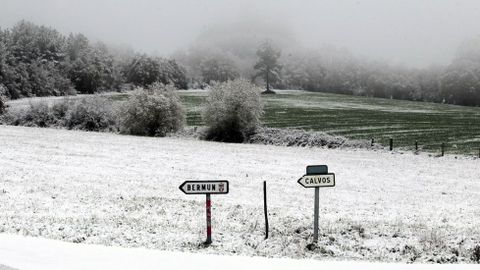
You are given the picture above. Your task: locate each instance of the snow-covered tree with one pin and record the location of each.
(218, 69)
(145, 70)
(232, 111)
(154, 111)
(461, 80)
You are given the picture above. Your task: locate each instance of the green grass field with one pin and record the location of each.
(365, 118)
(355, 117)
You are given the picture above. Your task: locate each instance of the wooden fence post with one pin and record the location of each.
(265, 207)
(391, 144)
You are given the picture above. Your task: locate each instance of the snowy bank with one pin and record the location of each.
(25, 253)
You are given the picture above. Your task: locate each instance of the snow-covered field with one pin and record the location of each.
(108, 189)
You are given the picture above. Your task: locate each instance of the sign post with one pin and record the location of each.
(209, 220)
(207, 187)
(315, 215)
(317, 176)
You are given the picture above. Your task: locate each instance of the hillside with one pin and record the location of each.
(101, 188)
(357, 117)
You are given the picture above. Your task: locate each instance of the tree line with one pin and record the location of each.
(458, 83)
(223, 56)
(40, 61)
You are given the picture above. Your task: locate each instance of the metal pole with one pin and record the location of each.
(391, 144)
(315, 216)
(265, 207)
(209, 220)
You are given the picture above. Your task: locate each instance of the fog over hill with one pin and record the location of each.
(425, 51)
(409, 32)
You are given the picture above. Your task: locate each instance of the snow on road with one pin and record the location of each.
(27, 253)
(108, 189)
(4, 267)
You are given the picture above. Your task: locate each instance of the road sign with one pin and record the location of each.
(317, 180)
(317, 169)
(204, 187)
(317, 176)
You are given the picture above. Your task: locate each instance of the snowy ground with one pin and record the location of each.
(108, 189)
(40, 254)
(4, 267)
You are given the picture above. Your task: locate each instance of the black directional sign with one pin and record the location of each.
(317, 180)
(205, 187)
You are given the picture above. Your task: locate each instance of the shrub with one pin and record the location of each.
(302, 138)
(295, 137)
(37, 114)
(476, 254)
(3, 93)
(91, 114)
(432, 239)
(2, 105)
(233, 111)
(154, 111)
(60, 110)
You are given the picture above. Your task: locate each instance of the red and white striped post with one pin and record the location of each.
(207, 187)
(209, 220)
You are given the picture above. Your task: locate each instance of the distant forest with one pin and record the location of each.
(40, 61)
(229, 51)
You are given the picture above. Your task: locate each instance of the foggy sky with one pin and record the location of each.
(411, 32)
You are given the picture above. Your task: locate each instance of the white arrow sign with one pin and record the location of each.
(317, 180)
(205, 187)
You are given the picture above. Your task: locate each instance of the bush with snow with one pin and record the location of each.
(155, 111)
(36, 115)
(91, 114)
(302, 138)
(2, 105)
(294, 137)
(476, 254)
(232, 112)
(3, 98)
